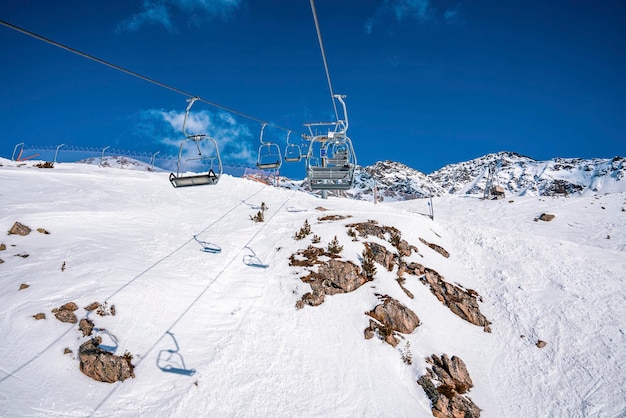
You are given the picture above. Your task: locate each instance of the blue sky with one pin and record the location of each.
(428, 82)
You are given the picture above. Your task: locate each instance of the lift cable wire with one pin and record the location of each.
(150, 80)
(319, 37)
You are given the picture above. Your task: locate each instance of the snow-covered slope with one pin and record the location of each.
(126, 237)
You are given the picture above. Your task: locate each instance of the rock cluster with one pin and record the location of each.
(462, 302)
(445, 382)
(332, 277)
(103, 366)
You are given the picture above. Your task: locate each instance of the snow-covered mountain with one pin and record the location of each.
(517, 174)
(520, 175)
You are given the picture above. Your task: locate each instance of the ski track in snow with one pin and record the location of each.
(127, 238)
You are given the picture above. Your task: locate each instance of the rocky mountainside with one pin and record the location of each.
(517, 174)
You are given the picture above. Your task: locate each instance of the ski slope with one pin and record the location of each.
(231, 331)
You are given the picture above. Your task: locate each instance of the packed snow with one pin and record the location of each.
(218, 334)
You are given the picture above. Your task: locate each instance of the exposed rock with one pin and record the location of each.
(392, 316)
(19, 229)
(332, 277)
(92, 306)
(306, 258)
(333, 217)
(103, 366)
(67, 351)
(3, 247)
(445, 383)
(43, 231)
(39, 316)
(23, 255)
(395, 315)
(1, 261)
(546, 217)
(381, 255)
(24, 286)
(66, 313)
(86, 326)
(436, 247)
(462, 302)
(371, 227)
(541, 344)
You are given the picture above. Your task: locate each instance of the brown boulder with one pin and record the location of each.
(19, 229)
(103, 366)
(86, 326)
(65, 313)
(546, 217)
(333, 277)
(395, 315)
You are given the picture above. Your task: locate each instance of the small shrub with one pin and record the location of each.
(316, 239)
(395, 238)
(407, 356)
(304, 231)
(260, 215)
(368, 264)
(352, 234)
(334, 247)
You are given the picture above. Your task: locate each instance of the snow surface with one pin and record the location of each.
(126, 237)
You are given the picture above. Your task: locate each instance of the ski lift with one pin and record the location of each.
(208, 247)
(493, 191)
(206, 156)
(293, 152)
(331, 161)
(269, 157)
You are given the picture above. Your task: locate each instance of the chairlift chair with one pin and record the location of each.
(331, 160)
(208, 157)
(269, 157)
(293, 152)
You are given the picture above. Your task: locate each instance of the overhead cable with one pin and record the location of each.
(134, 74)
(319, 37)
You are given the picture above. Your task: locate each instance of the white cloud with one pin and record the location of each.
(419, 11)
(159, 12)
(234, 139)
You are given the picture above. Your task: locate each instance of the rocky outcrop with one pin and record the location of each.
(333, 277)
(391, 316)
(436, 248)
(19, 229)
(103, 366)
(462, 302)
(382, 256)
(445, 382)
(371, 227)
(65, 313)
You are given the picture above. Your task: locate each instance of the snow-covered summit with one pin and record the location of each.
(517, 174)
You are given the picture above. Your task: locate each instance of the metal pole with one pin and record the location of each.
(152, 161)
(15, 149)
(56, 152)
(102, 156)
